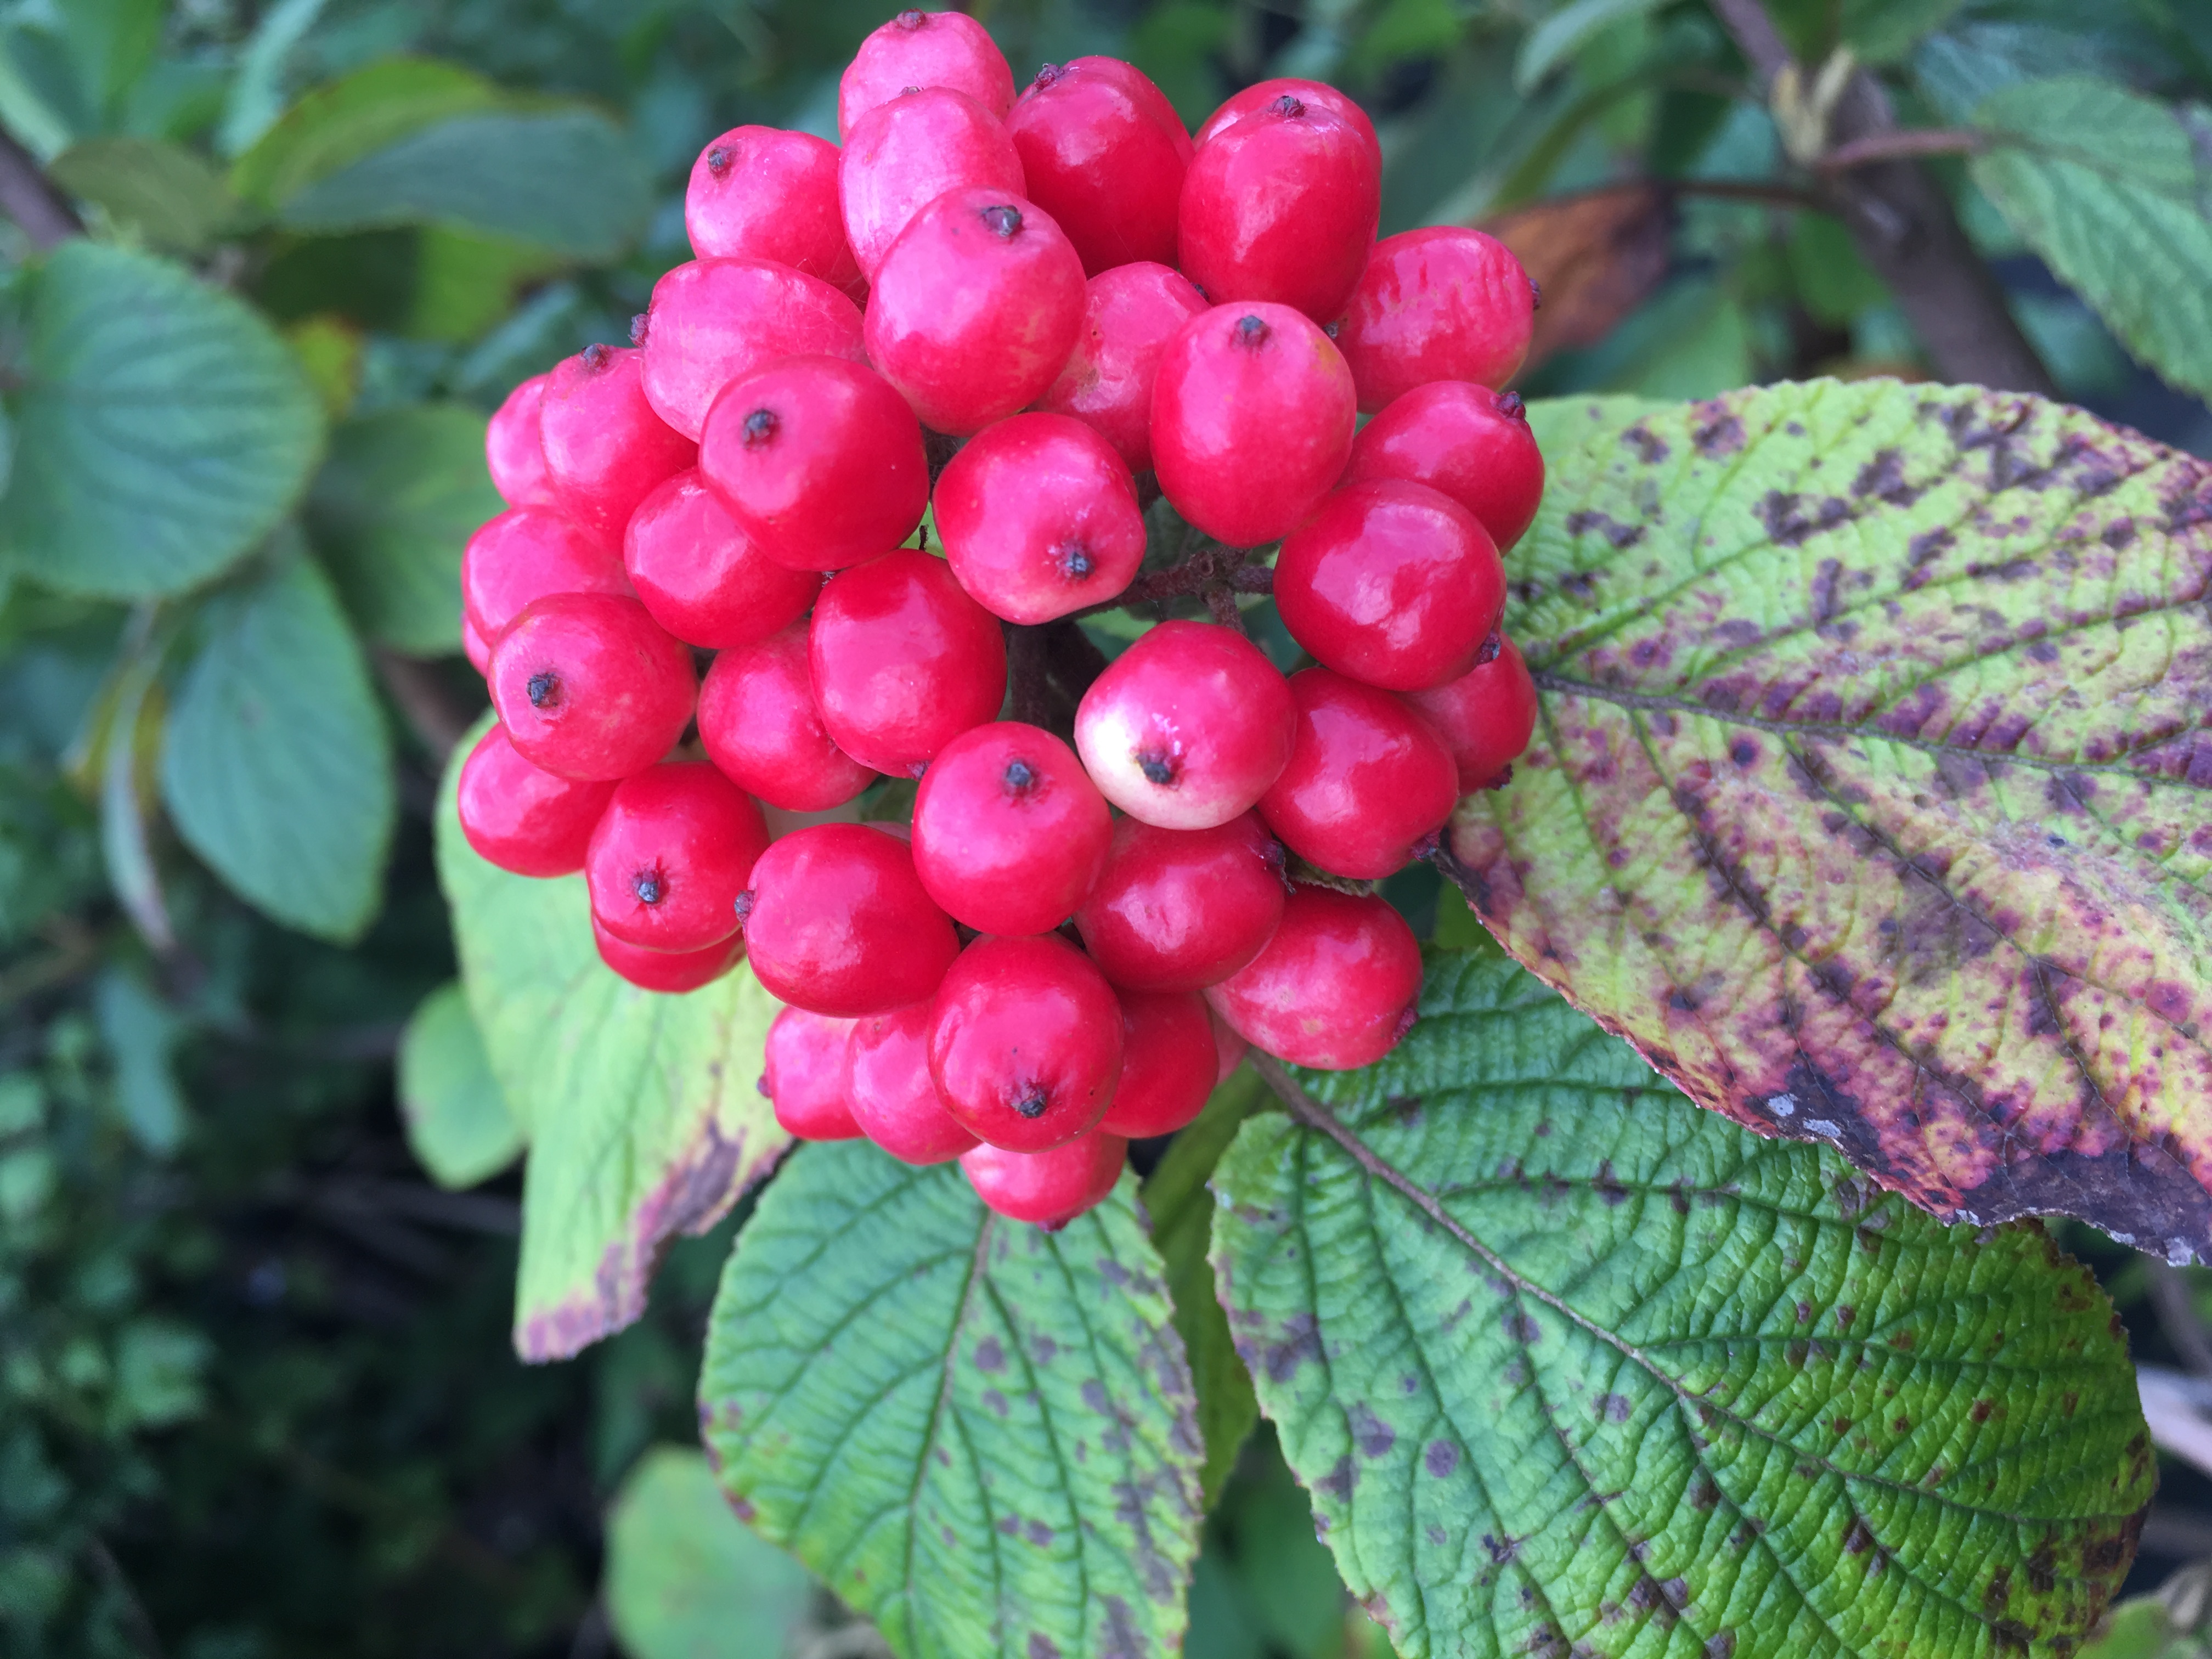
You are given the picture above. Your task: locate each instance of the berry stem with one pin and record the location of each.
(1027, 648)
(1221, 602)
(1235, 568)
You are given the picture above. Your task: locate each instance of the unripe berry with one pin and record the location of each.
(520, 817)
(1315, 94)
(803, 1075)
(1103, 152)
(605, 448)
(1446, 303)
(671, 854)
(1179, 909)
(838, 922)
(759, 724)
(712, 321)
(1009, 833)
(1129, 315)
(1471, 443)
(1486, 717)
(513, 453)
(923, 49)
(589, 686)
(904, 154)
(1025, 1042)
(889, 1091)
(764, 193)
(1048, 1188)
(1039, 518)
(527, 552)
(1336, 988)
(669, 972)
(701, 576)
(1368, 779)
(1169, 1063)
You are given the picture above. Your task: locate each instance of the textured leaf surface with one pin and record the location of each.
(169, 195)
(643, 1112)
(348, 120)
(980, 1434)
(1872, 796)
(684, 1580)
(458, 1124)
(1572, 1367)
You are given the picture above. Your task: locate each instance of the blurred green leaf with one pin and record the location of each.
(685, 1580)
(1565, 32)
(256, 97)
(172, 197)
(158, 1368)
(112, 43)
(1886, 31)
(458, 1124)
(335, 125)
(141, 1031)
(1831, 281)
(466, 282)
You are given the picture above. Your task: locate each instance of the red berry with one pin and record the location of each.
(1258, 96)
(1391, 583)
(523, 555)
(903, 661)
(1129, 315)
(1009, 833)
(1169, 1063)
(1446, 303)
(1103, 152)
(1228, 1046)
(890, 1092)
(671, 972)
(713, 321)
(764, 193)
(1467, 440)
(589, 686)
(803, 1075)
(839, 923)
(1178, 909)
(478, 648)
(1039, 518)
(520, 817)
(1187, 727)
(1486, 717)
(975, 307)
(759, 724)
(605, 448)
(671, 852)
(1025, 1042)
(701, 576)
(1336, 988)
(513, 453)
(819, 459)
(1282, 206)
(1048, 1188)
(1368, 779)
(904, 154)
(923, 49)
(1252, 419)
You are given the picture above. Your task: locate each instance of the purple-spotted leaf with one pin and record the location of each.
(1872, 794)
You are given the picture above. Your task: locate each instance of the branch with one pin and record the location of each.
(1898, 145)
(29, 197)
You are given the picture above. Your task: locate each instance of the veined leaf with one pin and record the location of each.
(348, 120)
(1572, 1367)
(457, 1121)
(980, 1434)
(1872, 794)
(169, 195)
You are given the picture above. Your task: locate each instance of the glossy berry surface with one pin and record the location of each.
(475, 646)
(1367, 780)
(1129, 315)
(526, 553)
(1048, 1188)
(1103, 152)
(903, 661)
(1039, 518)
(1229, 1047)
(525, 820)
(701, 576)
(1187, 727)
(975, 307)
(803, 1075)
(1179, 909)
(924, 49)
(670, 972)
(605, 448)
(1446, 303)
(819, 459)
(671, 854)
(1025, 1042)
(1168, 1063)
(1465, 440)
(764, 193)
(1337, 987)
(589, 686)
(1486, 717)
(712, 321)
(838, 922)
(890, 1093)
(1009, 833)
(1391, 583)
(758, 723)
(1316, 93)
(1252, 421)
(513, 453)
(906, 153)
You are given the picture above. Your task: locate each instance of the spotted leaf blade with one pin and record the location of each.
(979, 1434)
(1872, 794)
(1571, 1367)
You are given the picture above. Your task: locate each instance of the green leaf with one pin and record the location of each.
(255, 101)
(1871, 796)
(141, 1033)
(349, 120)
(169, 195)
(391, 509)
(276, 766)
(1588, 1369)
(163, 429)
(980, 1434)
(458, 1124)
(1565, 32)
(643, 1112)
(1886, 31)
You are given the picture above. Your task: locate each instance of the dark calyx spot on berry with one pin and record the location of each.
(912, 19)
(908, 91)
(1020, 777)
(915, 768)
(1075, 560)
(1003, 219)
(544, 690)
(761, 1084)
(1491, 646)
(1273, 856)
(1510, 405)
(650, 886)
(760, 428)
(743, 904)
(1252, 331)
(597, 355)
(1288, 106)
(640, 325)
(1536, 294)
(1333, 329)
(1030, 1099)
(1047, 75)
(1159, 766)
(718, 161)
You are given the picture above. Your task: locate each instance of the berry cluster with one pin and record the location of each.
(1030, 318)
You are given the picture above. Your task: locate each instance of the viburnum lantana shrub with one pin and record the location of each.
(1839, 752)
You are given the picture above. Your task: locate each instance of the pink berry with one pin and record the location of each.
(1103, 152)
(521, 818)
(819, 460)
(1336, 988)
(904, 154)
(1178, 909)
(975, 307)
(701, 576)
(513, 453)
(1039, 518)
(803, 1075)
(1251, 420)
(759, 725)
(1187, 727)
(1464, 439)
(1169, 1063)
(475, 646)
(1391, 583)
(605, 448)
(1258, 96)
(919, 49)
(1282, 207)
(903, 661)
(713, 321)
(890, 1092)
(1446, 303)
(839, 923)
(1048, 1188)
(670, 972)
(589, 686)
(1228, 1046)
(1025, 1042)
(671, 852)
(1367, 780)
(1009, 833)
(764, 193)
(1486, 717)
(523, 555)
(1129, 315)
